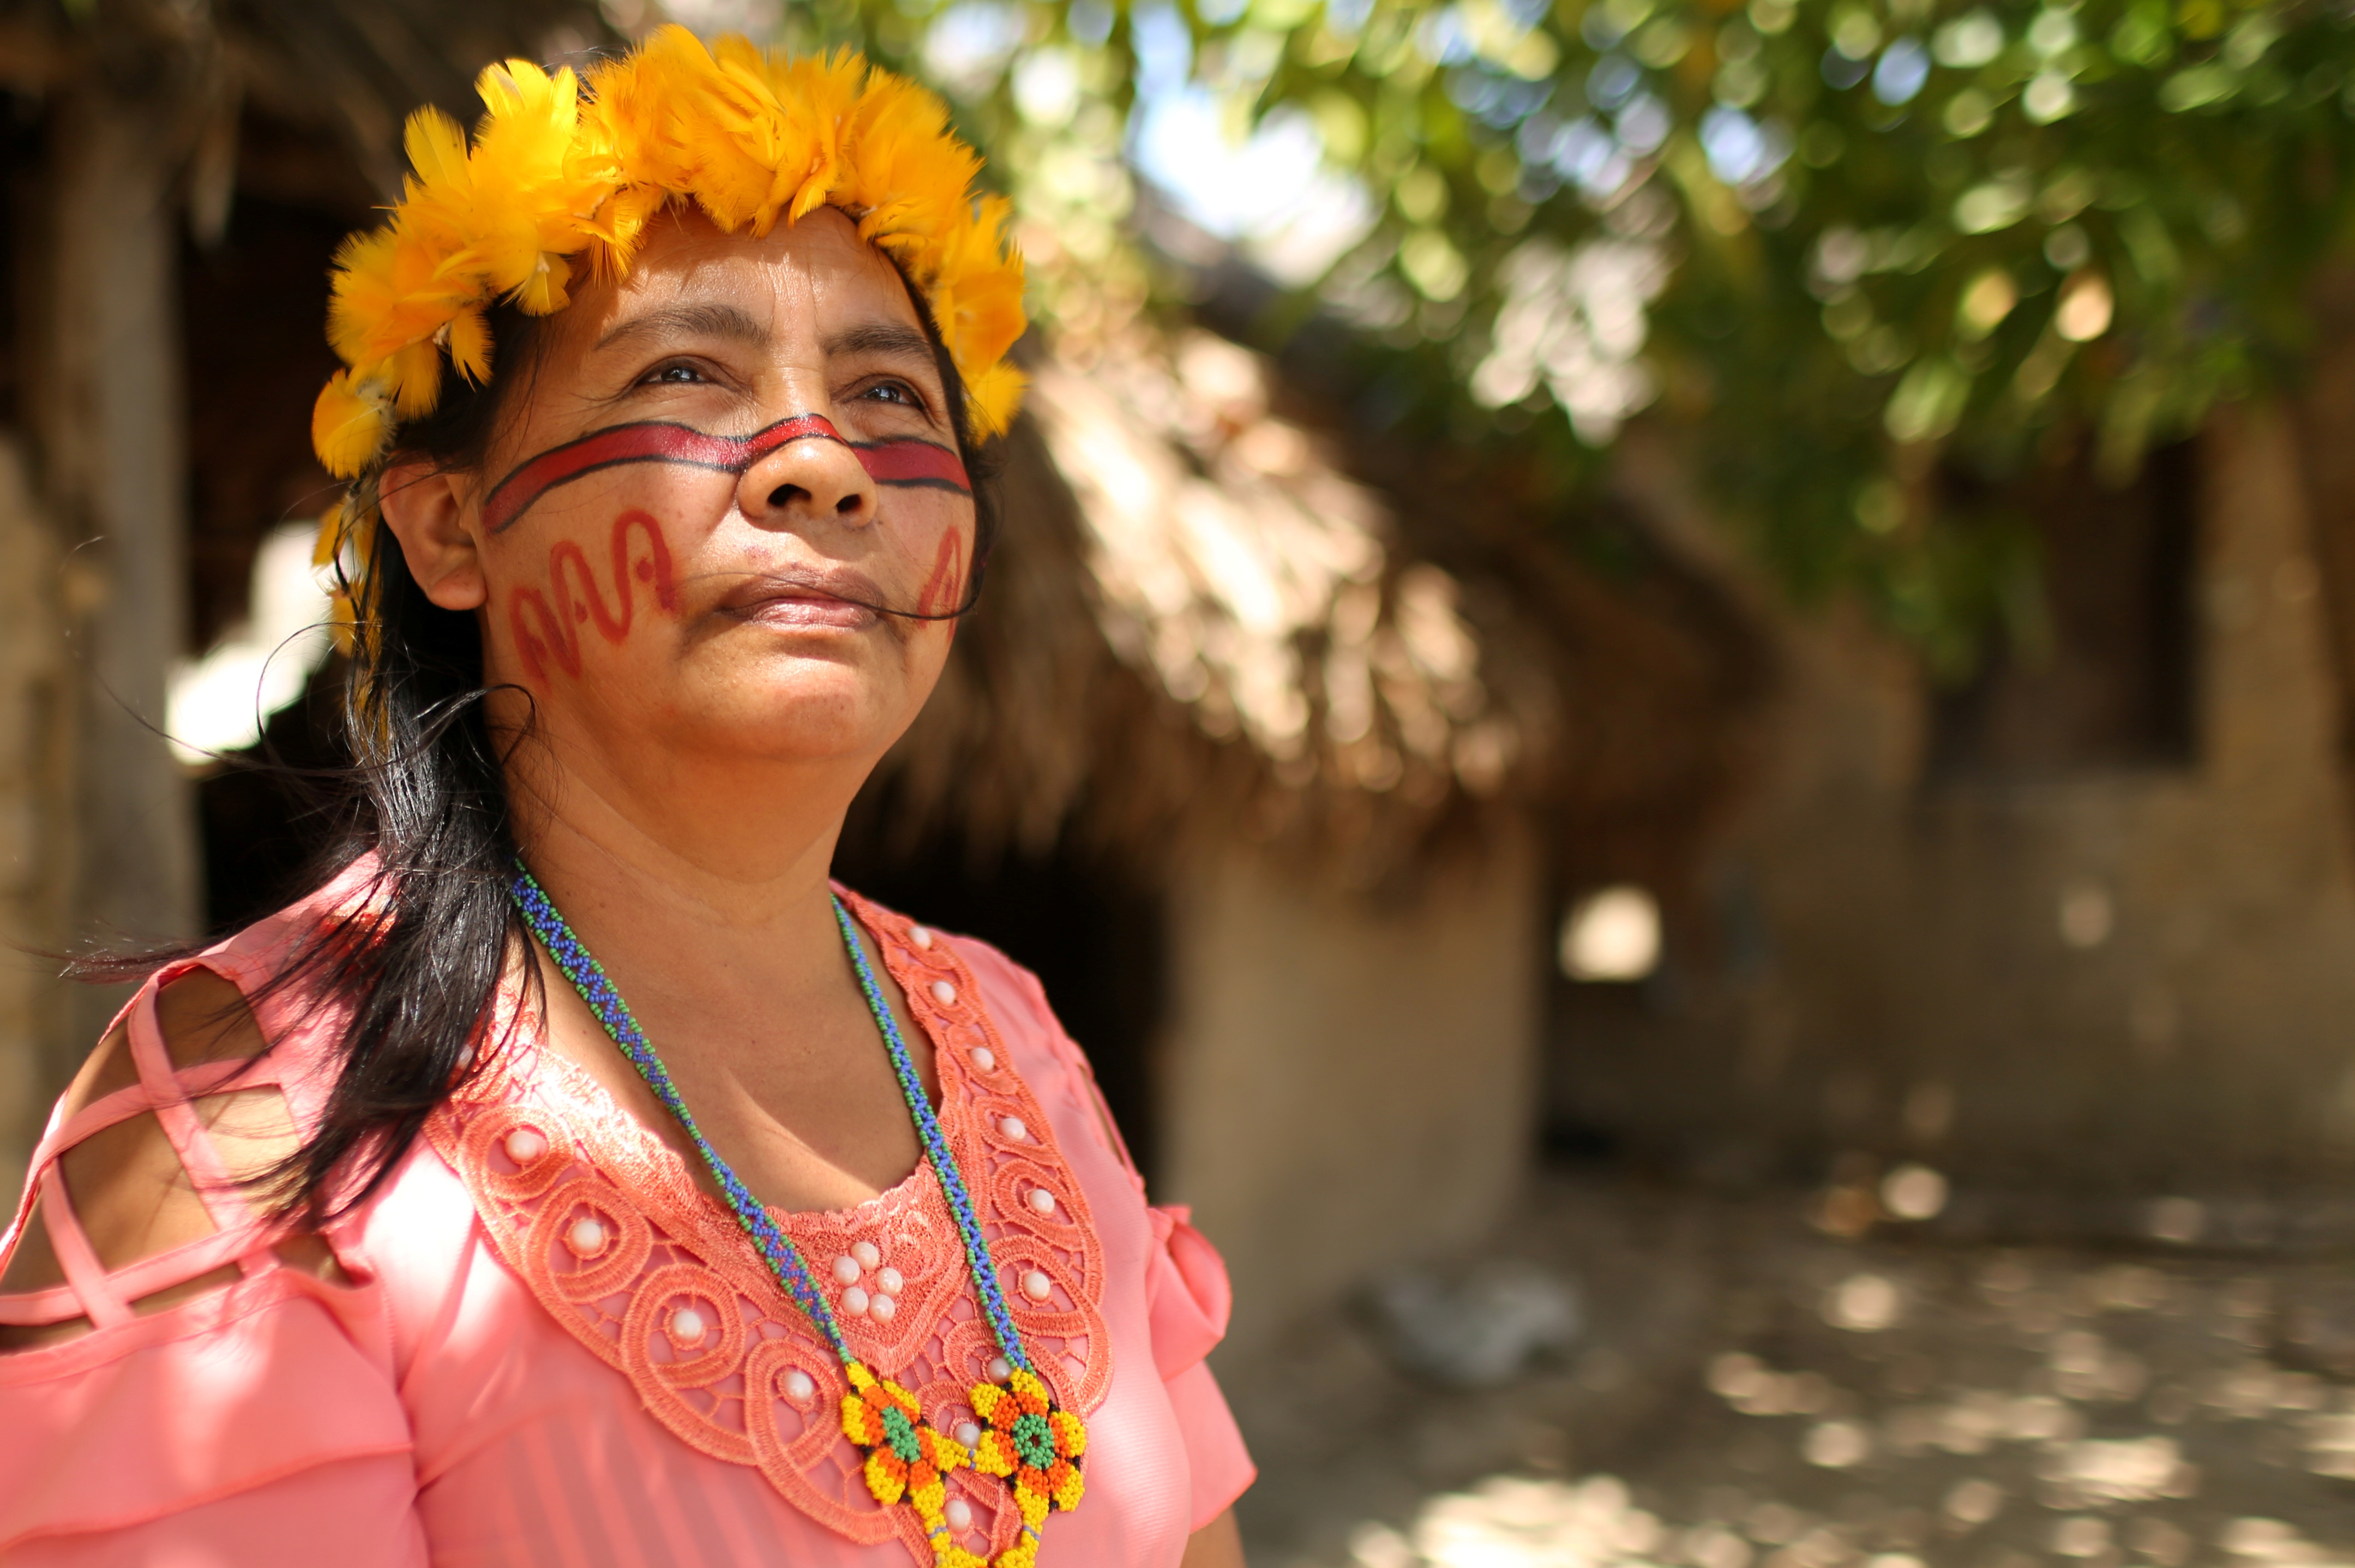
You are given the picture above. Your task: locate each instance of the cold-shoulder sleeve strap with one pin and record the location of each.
(204, 1403)
(170, 1092)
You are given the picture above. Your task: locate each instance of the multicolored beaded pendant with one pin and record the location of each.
(1029, 1442)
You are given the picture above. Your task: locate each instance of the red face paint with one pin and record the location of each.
(902, 460)
(546, 633)
(945, 586)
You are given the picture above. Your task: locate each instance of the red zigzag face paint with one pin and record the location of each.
(546, 634)
(903, 461)
(945, 586)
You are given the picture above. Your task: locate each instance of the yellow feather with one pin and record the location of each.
(562, 168)
(470, 346)
(543, 292)
(331, 536)
(436, 146)
(992, 397)
(348, 427)
(415, 372)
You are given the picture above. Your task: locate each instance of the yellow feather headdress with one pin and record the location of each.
(563, 173)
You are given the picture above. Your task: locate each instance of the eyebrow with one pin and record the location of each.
(707, 320)
(881, 338)
(726, 321)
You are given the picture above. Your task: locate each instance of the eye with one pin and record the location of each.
(898, 392)
(673, 375)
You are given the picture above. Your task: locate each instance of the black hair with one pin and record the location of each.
(414, 965)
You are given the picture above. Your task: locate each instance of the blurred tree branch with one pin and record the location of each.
(1842, 245)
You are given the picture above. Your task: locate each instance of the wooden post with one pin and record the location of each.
(109, 408)
(35, 757)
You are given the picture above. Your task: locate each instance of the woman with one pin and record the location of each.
(780, 1229)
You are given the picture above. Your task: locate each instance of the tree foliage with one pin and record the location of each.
(1846, 246)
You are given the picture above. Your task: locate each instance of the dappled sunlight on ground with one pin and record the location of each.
(1752, 1393)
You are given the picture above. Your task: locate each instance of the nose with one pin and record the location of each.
(814, 479)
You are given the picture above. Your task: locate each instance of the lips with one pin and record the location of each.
(811, 613)
(839, 600)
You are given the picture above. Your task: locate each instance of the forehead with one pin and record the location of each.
(809, 275)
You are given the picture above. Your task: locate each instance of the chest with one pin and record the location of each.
(603, 1226)
(805, 1109)
(800, 1096)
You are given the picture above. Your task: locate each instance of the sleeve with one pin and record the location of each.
(1190, 1299)
(255, 1423)
(1221, 1467)
(243, 1428)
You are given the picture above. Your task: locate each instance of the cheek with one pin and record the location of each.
(925, 562)
(943, 588)
(578, 596)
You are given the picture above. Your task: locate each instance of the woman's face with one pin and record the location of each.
(717, 474)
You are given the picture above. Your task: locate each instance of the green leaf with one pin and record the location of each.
(2198, 87)
(1928, 401)
(1839, 288)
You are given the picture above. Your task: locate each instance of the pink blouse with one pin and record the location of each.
(557, 1350)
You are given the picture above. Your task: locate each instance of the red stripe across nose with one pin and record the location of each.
(903, 461)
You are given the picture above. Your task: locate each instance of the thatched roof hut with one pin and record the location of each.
(1205, 617)
(1277, 766)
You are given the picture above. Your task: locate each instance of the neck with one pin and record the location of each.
(698, 872)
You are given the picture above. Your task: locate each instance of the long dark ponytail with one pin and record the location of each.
(414, 959)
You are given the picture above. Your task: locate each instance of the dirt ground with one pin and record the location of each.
(1751, 1392)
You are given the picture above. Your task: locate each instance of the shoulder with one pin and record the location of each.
(1015, 998)
(167, 1137)
(1052, 1062)
(1017, 1007)
(1012, 995)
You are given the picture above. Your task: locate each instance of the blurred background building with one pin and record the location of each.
(1624, 629)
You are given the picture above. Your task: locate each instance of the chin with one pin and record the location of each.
(802, 712)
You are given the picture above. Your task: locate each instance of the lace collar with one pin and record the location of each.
(602, 1221)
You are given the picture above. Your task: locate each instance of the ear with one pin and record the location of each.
(422, 506)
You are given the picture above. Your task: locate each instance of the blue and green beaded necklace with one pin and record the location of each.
(1033, 1445)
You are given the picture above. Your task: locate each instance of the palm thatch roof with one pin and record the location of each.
(1202, 619)
(353, 69)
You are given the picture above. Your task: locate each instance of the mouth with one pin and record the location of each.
(840, 600)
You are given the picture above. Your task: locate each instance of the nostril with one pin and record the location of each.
(783, 496)
(848, 504)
